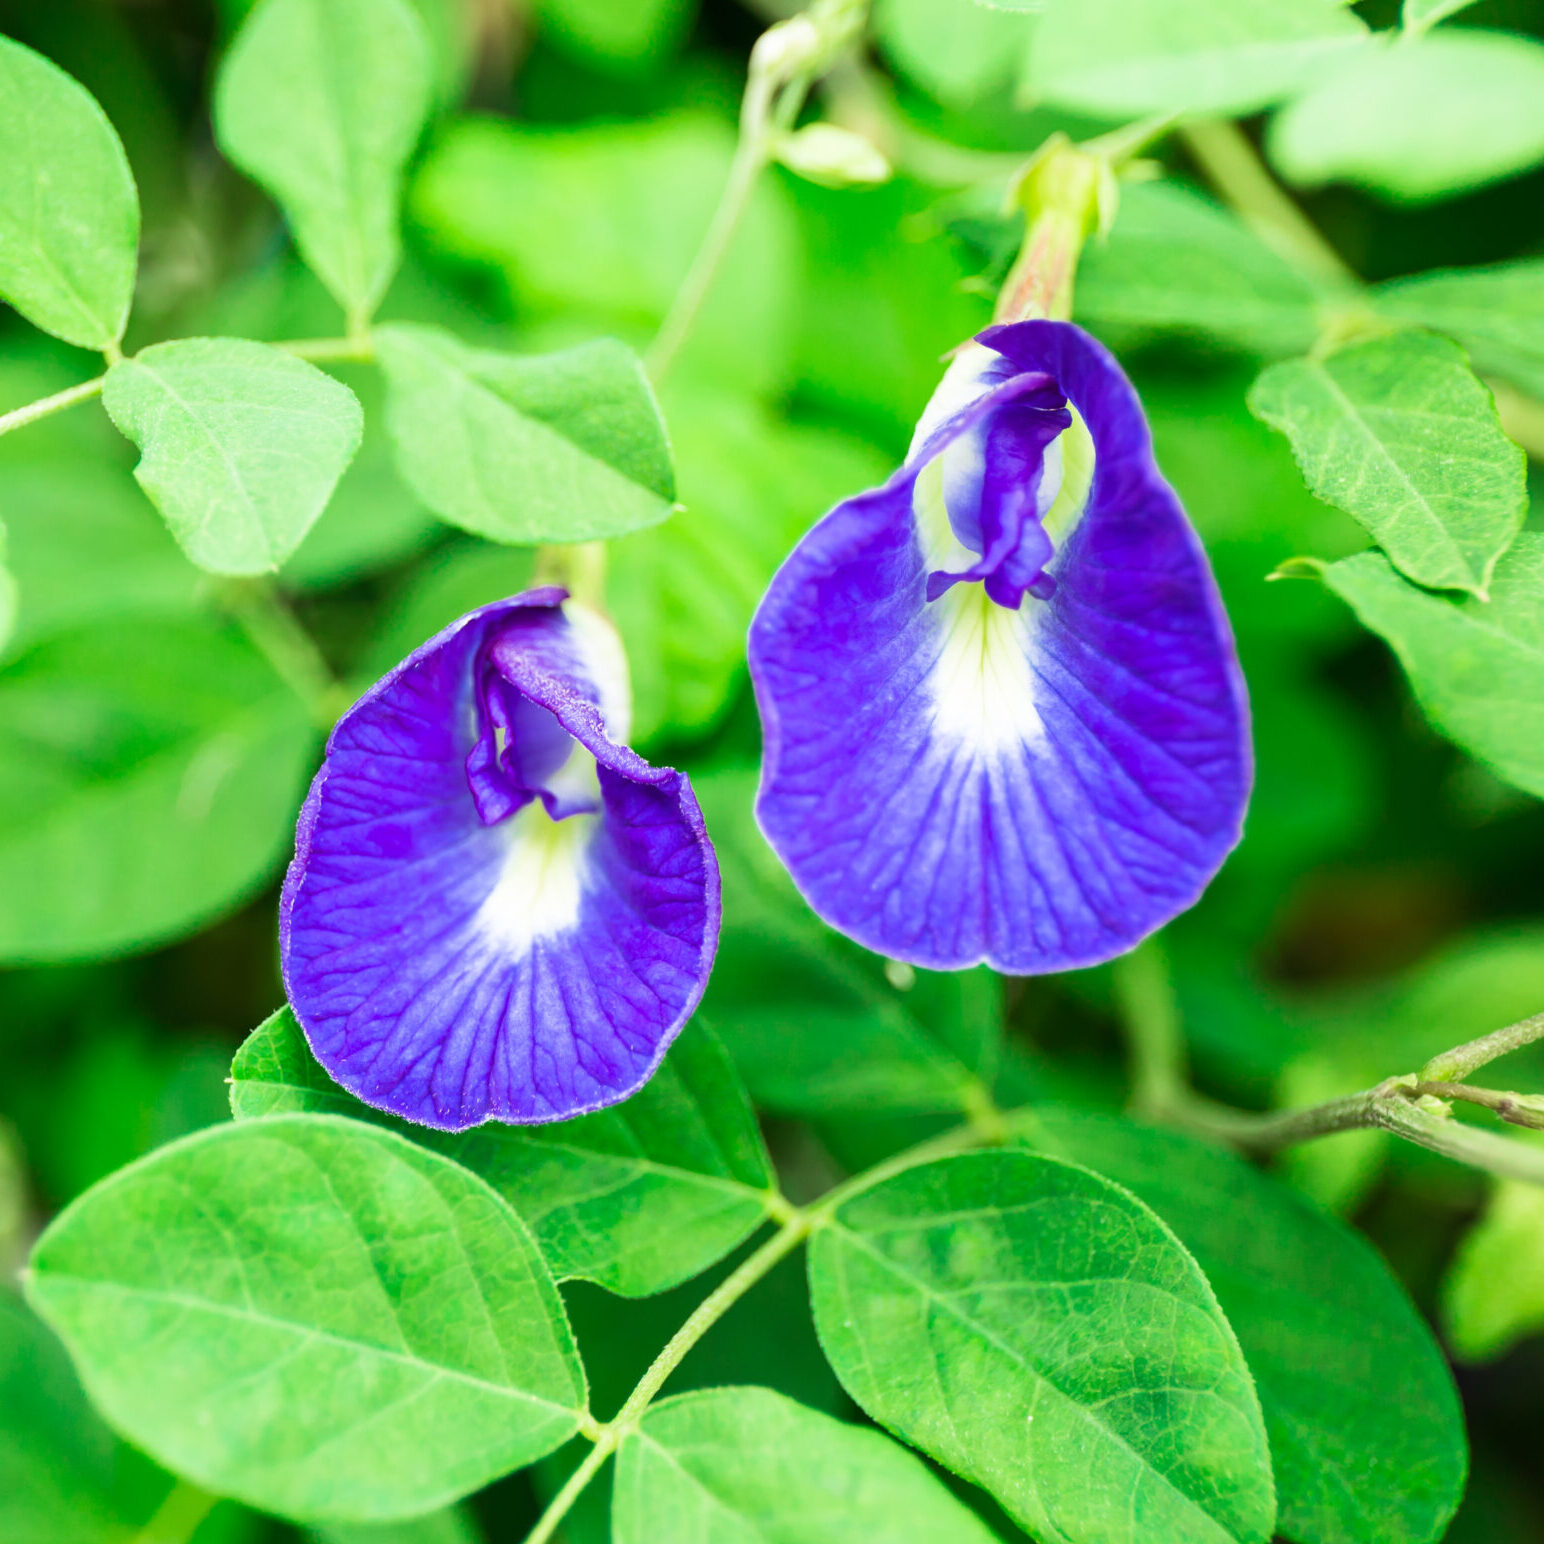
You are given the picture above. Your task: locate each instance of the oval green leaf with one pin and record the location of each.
(559, 447)
(69, 212)
(637, 1198)
(1123, 58)
(1320, 1318)
(746, 1463)
(1418, 121)
(321, 102)
(313, 1316)
(241, 445)
(1038, 1330)
(1398, 432)
(1477, 668)
(150, 773)
(1493, 1293)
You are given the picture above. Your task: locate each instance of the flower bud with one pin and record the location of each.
(833, 157)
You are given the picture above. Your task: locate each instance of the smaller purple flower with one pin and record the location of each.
(1003, 717)
(496, 910)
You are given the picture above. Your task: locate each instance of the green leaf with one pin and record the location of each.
(85, 547)
(1177, 262)
(1398, 432)
(149, 777)
(69, 213)
(544, 447)
(333, 1324)
(598, 224)
(321, 102)
(635, 1198)
(1417, 15)
(625, 38)
(959, 53)
(1321, 1320)
(745, 1463)
(1419, 121)
(1040, 1332)
(1497, 314)
(7, 594)
(1493, 1293)
(840, 1035)
(683, 593)
(1477, 668)
(1123, 58)
(241, 445)
(57, 1459)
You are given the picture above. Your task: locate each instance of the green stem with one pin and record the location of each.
(1516, 1109)
(1234, 168)
(273, 628)
(20, 417)
(177, 1518)
(1144, 994)
(359, 349)
(1455, 1065)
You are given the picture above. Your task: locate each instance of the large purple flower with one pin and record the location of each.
(496, 910)
(1004, 720)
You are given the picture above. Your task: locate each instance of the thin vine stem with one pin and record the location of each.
(1235, 169)
(278, 635)
(19, 418)
(797, 1224)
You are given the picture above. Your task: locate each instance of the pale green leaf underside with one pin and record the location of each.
(1039, 1331)
(1123, 58)
(149, 776)
(321, 102)
(551, 447)
(69, 212)
(332, 1324)
(1419, 121)
(1477, 668)
(1398, 432)
(749, 1466)
(241, 445)
(1319, 1317)
(636, 1198)
(1176, 261)
(960, 54)
(1497, 313)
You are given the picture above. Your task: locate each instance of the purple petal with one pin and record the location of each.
(454, 952)
(968, 779)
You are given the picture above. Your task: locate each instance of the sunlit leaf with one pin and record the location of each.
(1122, 58)
(149, 776)
(241, 445)
(322, 101)
(1477, 668)
(1039, 1331)
(69, 213)
(1418, 15)
(333, 1323)
(1319, 1317)
(635, 1198)
(527, 448)
(628, 38)
(1398, 432)
(745, 1463)
(960, 53)
(1419, 121)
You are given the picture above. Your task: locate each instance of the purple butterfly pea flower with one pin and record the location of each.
(496, 910)
(1004, 720)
